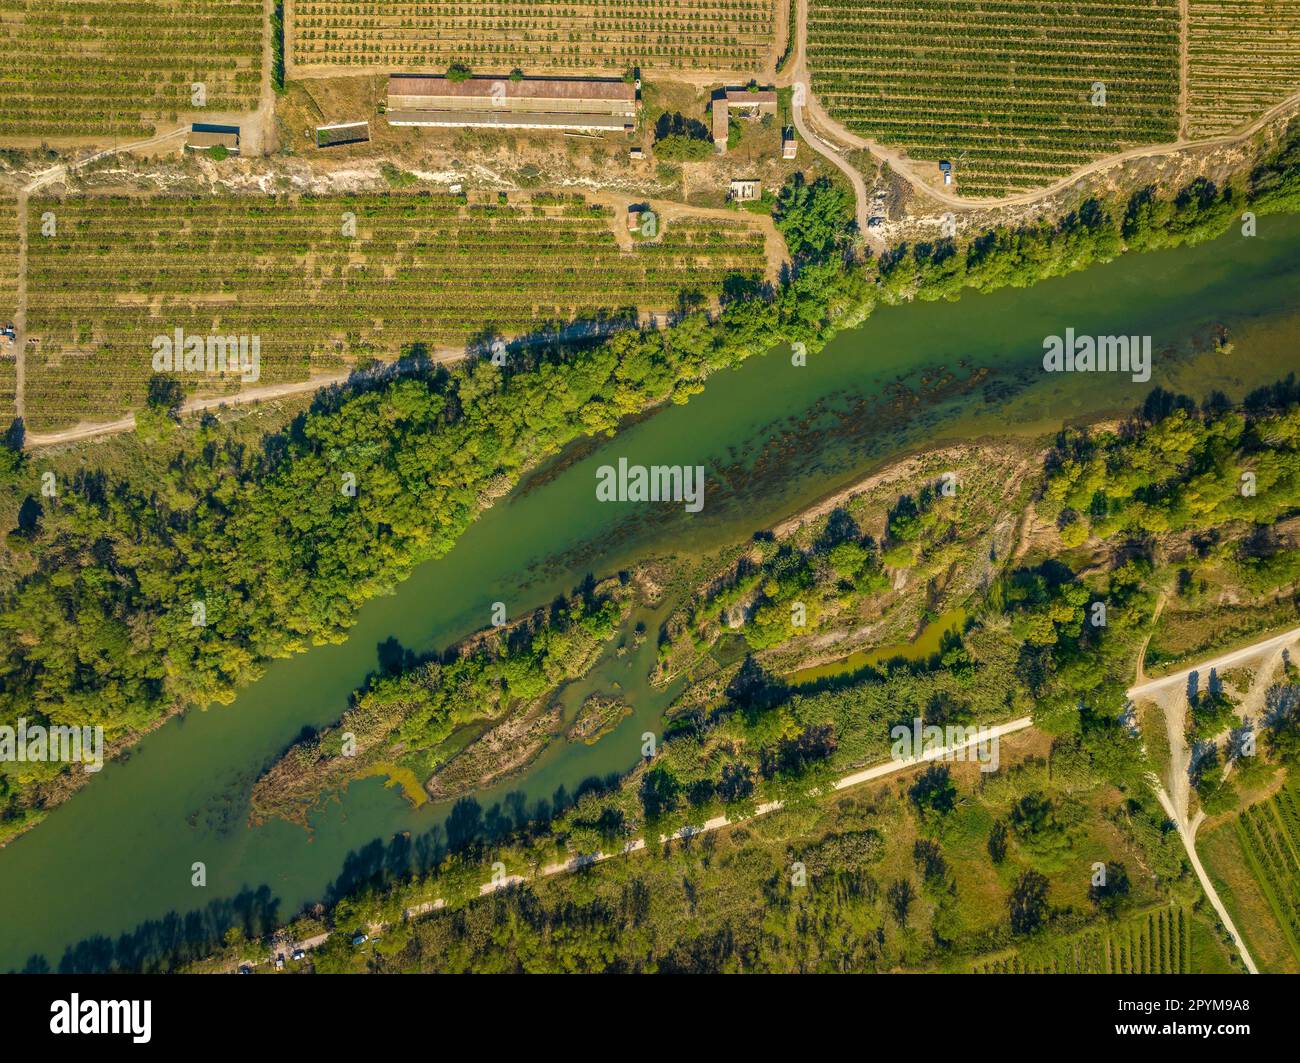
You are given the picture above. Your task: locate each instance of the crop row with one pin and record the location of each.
(119, 67)
(607, 34)
(1154, 942)
(419, 270)
(1270, 834)
(1243, 57)
(1005, 91)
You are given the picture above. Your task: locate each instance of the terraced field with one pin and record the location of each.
(8, 302)
(586, 35)
(1154, 942)
(119, 68)
(1004, 89)
(421, 269)
(1243, 57)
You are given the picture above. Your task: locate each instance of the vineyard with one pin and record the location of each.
(1269, 833)
(119, 68)
(8, 302)
(595, 35)
(1004, 89)
(1244, 57)
(421, 269)
(1154, 942)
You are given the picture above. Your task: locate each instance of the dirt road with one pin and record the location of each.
(908, 168)
(1169, 693)
(878, 771)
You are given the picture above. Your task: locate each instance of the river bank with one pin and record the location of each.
(774, 438)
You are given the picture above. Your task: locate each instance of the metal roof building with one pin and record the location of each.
(502, 103)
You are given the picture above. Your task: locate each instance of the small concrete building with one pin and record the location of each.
(748, 102)
(203, 136)
(789, 148)
(335, 136)
(588, 105)
(744, 190)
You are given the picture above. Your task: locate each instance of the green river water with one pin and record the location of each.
(116, 859)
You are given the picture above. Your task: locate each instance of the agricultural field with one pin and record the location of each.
(1269, 836)
(430, 270)
(582, 35)
(8, 302)
(1003, 89)
(123, 68)
(1242, 889)
(1153, 942)
(1243, 57)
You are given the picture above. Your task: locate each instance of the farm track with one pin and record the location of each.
(874, 773)
(907, 168)
(813, 122)
(524, 271)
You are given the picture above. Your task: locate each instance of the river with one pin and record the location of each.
(118, 857)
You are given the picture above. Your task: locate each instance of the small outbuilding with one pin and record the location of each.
(335, 136)
(204, 136)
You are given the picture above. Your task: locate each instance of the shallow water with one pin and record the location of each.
(118, 857)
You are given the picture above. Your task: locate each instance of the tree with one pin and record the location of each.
(659, 791)
(737, 781)
(934, 793)
(1028, 903)
(901, 894)
(998, 842)
(682, 139)
(1109, 894)
(813, 218)
(459, 72)
(682, 149)
(165, 395)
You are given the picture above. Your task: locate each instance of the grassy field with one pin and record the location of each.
(1244, 56)
(1002, 88)
(422, 269)
(121, 68)
(1191, 630)
(606, 35)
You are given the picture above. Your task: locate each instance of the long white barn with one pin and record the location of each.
(586, 105)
